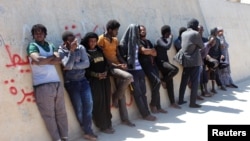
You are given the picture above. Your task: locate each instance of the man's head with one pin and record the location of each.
(214, 32)
(142, 31)
(69, 39)
(212, 41)
(90, 40)
(181, 30)
(220, 31)
(193, 23)
(68, 36)
(165, 31)
(39, 32)
(112, 27)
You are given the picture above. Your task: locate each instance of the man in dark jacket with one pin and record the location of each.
(167, 69)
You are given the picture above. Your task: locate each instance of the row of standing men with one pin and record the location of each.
(87, 68)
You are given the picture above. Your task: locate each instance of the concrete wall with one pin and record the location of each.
(19, 117)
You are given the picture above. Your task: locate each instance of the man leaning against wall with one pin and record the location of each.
(47, 86)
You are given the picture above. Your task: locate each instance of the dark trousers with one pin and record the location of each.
(169, 71)
(101, 93)
(192, 74)
(139, 92)
(214, 75)
(152, 74)
(203, 76)
(217, 77)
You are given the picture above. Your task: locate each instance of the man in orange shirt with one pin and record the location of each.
(109, 43)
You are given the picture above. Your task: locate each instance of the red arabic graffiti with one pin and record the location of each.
(15, 59)
(29, 96)
(26, 96)
(73, 27)
(130, 101)
(96, 28)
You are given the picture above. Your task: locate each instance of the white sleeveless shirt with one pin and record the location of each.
(44, 73)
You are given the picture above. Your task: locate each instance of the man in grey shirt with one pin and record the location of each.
(74, 62)
(190, 58)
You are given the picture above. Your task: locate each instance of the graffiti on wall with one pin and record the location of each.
(16, 60)
(25, 96)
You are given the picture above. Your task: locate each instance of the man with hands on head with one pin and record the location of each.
(74, 62)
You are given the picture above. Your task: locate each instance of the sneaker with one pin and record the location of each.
(89, 137)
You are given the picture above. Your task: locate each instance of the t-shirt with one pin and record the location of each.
(42, 74)
(98, 63)
(109, 48)
(33, 48)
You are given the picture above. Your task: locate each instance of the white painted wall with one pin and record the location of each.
(19, 117)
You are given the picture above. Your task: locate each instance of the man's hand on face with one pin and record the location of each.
(73, 45)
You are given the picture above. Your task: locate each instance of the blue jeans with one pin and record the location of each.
(81, 99)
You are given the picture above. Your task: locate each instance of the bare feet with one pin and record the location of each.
(174, 105)
(108, 131)
(162, 111)
(153, 109)
(206, 94)
(89, 137)
(199, 97)
(150, 118)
